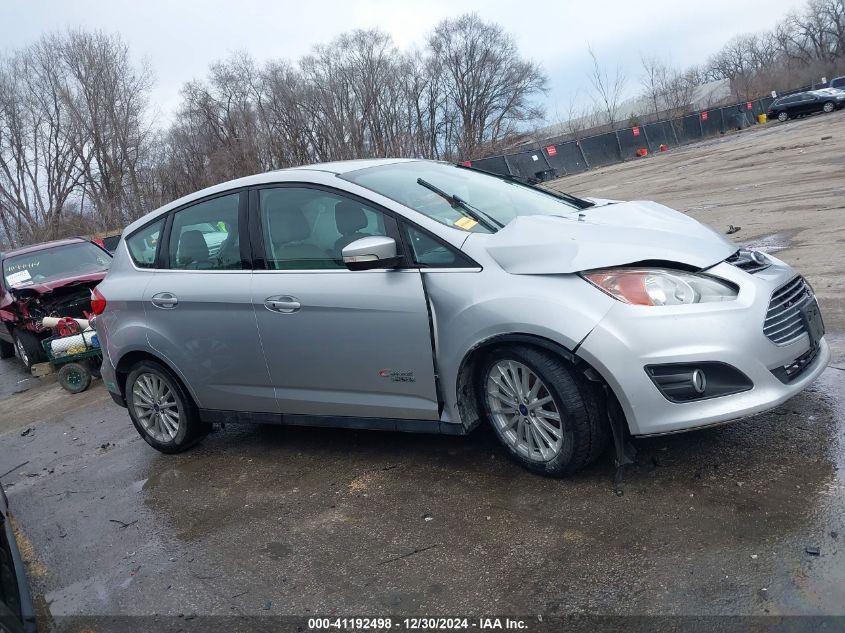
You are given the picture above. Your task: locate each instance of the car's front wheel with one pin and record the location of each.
(28, 348)
(161, 409)
(782, 117)
(549, 418)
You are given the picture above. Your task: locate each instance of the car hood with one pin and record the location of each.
(608, 234)
(47, 287)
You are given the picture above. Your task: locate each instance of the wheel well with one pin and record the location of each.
(471, 364)
(130, 359)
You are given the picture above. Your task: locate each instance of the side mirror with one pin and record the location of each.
(376, 251)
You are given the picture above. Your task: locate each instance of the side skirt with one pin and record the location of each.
(216, 416)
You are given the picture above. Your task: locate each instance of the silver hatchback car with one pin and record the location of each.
(421, 296)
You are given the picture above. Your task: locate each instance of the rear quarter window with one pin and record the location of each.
(143, 244)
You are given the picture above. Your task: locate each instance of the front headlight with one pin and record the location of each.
(659, 287)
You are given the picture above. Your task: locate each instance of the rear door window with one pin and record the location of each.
(205, 236)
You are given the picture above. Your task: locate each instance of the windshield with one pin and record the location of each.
(58, 262)
(495, 198)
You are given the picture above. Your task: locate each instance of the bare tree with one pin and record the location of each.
(108, 100)
(608, 88)
(40, 168)
(487, 82)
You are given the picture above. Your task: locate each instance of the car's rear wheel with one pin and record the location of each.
(28, 348)
(782, 117)
(161, 409)
(829, 106)
(548, 417)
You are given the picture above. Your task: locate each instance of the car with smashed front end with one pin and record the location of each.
(419, 296)
(48, 279)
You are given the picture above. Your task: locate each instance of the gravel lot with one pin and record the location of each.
(270, 521)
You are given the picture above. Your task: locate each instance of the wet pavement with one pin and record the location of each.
(269, 520)
(335, 521)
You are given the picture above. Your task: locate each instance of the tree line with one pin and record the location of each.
(805, 46)
(81, 151)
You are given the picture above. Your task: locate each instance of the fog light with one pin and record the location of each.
(699, 381)
(687, 382)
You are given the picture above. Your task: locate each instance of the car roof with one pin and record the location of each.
(336, 167)
(23, 250)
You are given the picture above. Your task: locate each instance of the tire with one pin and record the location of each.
(28, 348)
(74, 377)
(829, 106)
(7, 350)
(153, 415)
(553, 448)
(783, 117)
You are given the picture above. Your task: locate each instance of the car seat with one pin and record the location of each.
(288, 229)
(349, 219)
(193, 251)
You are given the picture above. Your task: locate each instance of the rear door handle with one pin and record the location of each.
(282, 303)
(165, 300)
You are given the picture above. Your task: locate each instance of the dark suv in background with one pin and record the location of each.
(49, 279)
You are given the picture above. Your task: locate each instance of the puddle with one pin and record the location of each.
(138, 486)
(774, 242)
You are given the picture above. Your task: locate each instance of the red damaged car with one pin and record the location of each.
(49, 279)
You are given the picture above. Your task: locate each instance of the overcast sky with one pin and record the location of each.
(181, 37)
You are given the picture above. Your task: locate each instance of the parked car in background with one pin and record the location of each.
(837, 82)
(16, 613)
(803, 104)
(49, 279)
(421, 296)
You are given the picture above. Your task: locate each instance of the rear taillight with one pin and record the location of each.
(99, 242)
(98, 301)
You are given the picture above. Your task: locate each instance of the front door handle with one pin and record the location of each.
(165, 300)
(282, 303)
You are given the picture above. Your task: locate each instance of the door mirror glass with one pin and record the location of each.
(370, 252)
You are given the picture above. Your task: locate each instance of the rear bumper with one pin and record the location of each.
(632, 337)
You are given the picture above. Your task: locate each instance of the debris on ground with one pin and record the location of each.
(813, 551)
(826, 138)
(733, 229)
(26, 432)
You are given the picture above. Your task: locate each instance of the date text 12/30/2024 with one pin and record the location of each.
(417, 624)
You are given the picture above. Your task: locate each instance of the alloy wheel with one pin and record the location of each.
(828, 107)
(524, 411)
(783, 116)
(21, 351)
(156, 407)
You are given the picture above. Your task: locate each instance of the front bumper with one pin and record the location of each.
(631, 337)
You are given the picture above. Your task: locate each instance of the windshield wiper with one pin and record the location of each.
(479, 216)
(560, 195)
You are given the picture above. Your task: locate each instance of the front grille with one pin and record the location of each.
(784, 323)
(749, 261)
